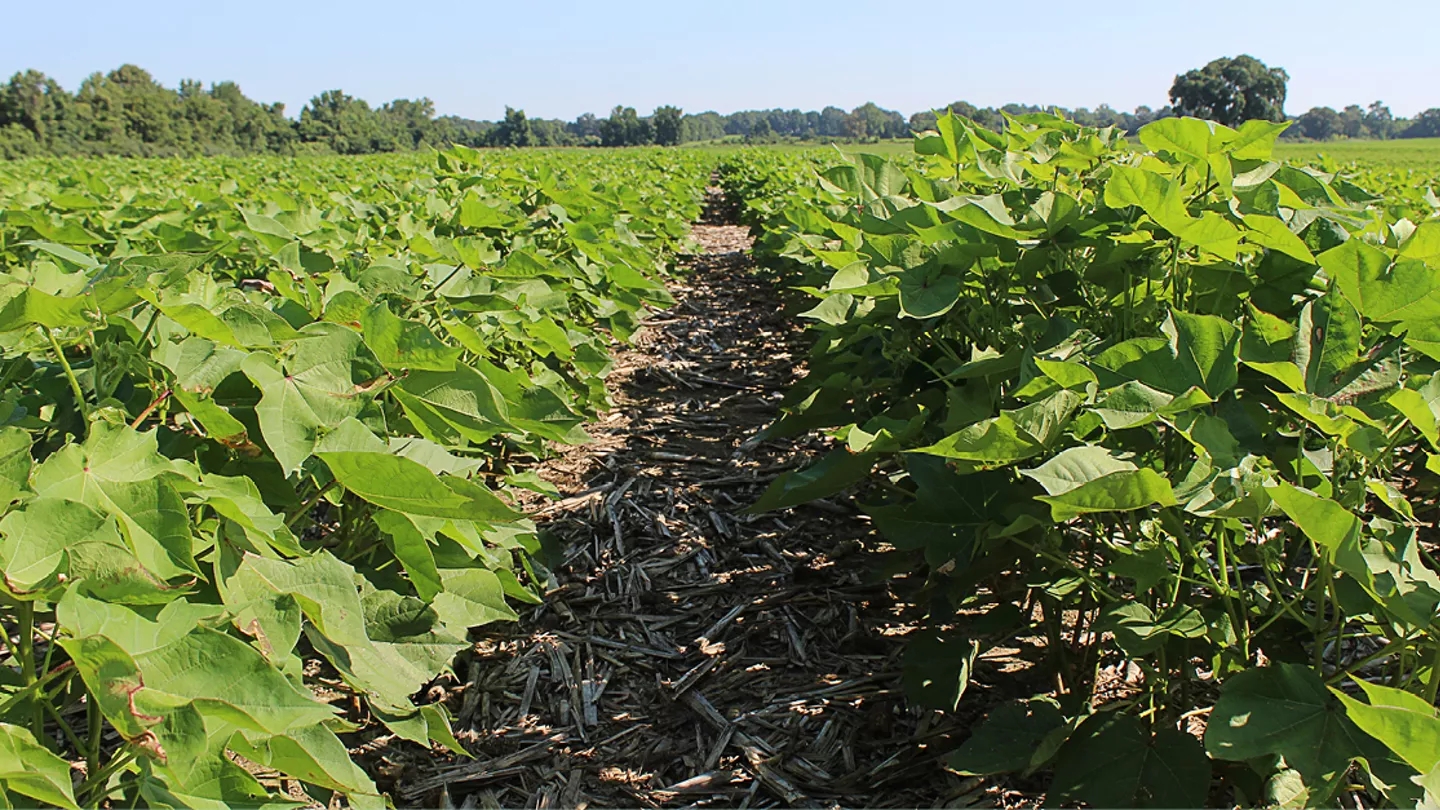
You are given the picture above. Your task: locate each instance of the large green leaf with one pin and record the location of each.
(446, 406)
(1076, 467)
(1407, 724)
(938, 668)
(471, 597)
(118, 472)
(1123, 491)
(1113, 761)
(838, 470)
(324, 587)
(29, 769)
(1285, 710)
(1013, 435)
(1198, 351)
(403, 344)
(397, 483)
(1380, 288)
(1008, 739)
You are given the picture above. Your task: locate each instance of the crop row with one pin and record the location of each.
(1172, 409)
(261, 422)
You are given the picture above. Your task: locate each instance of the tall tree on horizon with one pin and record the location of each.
(1231, 91)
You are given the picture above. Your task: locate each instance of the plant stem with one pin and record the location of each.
(1432, 689)
(93, 729)
(309, 505)
(26, 654)
(39, 685)
(80, 403)
(97, 780)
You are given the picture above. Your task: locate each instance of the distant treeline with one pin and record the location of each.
(126, 112)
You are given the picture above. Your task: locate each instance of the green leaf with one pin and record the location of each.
(1413, 406)
(35, 539)
(1198, 351)
(402, 344)
(1321, 519)
(449, 405)
(1407, 724)
(325, 381)
(1424, 243)
(1273, 233)
(1381, 289)
(323, 586)
(1285, 710)
(1255, 139)
(1123, 491)
(29, 769)
(1139, 633)
(313, 755)
(471, 597)
(33, 307)
(290, 427)
(118, 472)
(1113, 761)
(1013, 435)
(412, 549)
(114, 680)
(228, 679)
(1074, 467)
(1008, 739)
(397, 483)
(925, 293)
(938, 668)
(1328, 343)
(1186, 138)
(838, 470)
(14, 464)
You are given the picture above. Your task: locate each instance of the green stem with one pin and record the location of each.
(96, 781)
(33, 688)
(26, 650)
(64, 726)
(93, 730)
(1432, 689)
(305, 508)
(80, 403)
(1396, 646)
(1080, 572)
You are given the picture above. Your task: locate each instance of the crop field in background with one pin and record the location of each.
(1167, 410)
(1413, 153)
(1421, 154)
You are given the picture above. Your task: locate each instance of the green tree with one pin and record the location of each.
(340, 122)
(513, 131)
(1231, 91)
(832, 123)
(1424, 125)
(1379, 121)
(1320, 123)
(1352, 122)
(36, 103)
(625, 127)
(666, 121)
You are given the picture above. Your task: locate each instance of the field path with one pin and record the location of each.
(693, 653)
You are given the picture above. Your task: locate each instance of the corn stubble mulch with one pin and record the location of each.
(694, 655)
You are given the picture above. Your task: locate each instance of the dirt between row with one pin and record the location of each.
(693, 654)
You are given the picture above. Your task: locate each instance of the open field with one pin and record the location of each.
(1018, 470)
(1414, 153)
(1410, 153)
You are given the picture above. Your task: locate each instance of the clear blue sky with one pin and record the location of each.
(561, 58)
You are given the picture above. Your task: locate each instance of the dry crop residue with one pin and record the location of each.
(694, 654)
